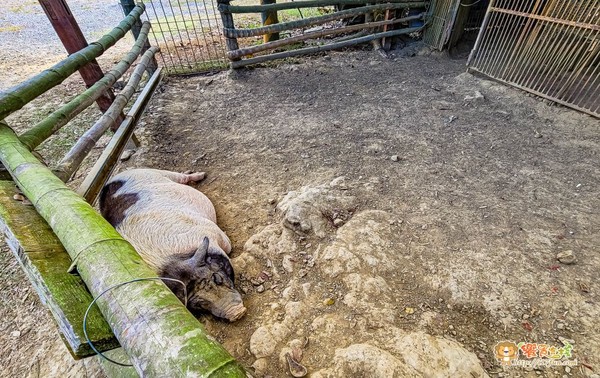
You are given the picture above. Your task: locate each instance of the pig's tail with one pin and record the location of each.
(114, 287)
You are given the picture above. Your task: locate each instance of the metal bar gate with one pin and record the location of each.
(550, 48)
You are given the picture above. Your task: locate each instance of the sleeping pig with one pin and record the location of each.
(173, 228)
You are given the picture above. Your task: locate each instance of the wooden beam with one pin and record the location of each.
(162, 338)
(73, 40)
(269, 17)
(45, 262)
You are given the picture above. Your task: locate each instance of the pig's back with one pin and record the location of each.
(159, 217)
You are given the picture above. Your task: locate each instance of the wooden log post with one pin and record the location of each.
(227, 19)
(269, 18)
(72, 38)
(160, 336)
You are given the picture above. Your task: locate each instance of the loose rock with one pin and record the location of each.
(127, 154)
(566, 257)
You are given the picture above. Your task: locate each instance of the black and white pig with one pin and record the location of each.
(174, 229)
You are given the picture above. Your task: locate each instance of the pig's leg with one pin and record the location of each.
(183, 178)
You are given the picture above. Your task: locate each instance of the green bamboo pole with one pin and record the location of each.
(297, 4)
(321, 33)
(106, 163)
(315, 49)
(72, 160)
(15, 98)
(160, 336)
(55, 121)
(245, 33)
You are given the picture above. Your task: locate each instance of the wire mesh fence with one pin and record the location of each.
(189, 34)
(440, 21)
(549, 48)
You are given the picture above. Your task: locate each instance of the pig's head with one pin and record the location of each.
(208, 276)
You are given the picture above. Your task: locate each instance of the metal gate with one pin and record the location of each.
(189, 34)
(550, 48)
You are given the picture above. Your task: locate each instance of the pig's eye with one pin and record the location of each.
(218, 279)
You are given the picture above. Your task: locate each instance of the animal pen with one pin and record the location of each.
(64, 232)
(549, 48)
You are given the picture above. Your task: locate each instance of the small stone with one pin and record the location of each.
(566, 257)
(329, 302)
(288, 263)
(525, 316)
(272, 201)
(127, 154)
(560, 326)
(15, 334)
(337, 222)
(567, 369)
(260, 288)
(261, 365)
(565, 341)
(18, 197)
(477, 96)
(450, 326)
(394, 158)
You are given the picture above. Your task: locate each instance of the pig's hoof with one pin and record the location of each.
(196, 176)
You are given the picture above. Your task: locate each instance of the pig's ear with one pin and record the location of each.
(199, 257)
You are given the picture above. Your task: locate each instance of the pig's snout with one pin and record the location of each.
(229, 307)
(235, 312)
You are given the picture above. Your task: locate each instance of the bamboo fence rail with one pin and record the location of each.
(311, 35)
(60, 117)
(299, 4)
(73, 159)
(145, 316)
(369, 28)
(315, 49)
(15, 98)
(318, 20)
(92, 184)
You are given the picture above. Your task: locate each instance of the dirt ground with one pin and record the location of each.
(458, 194)
(482, 184)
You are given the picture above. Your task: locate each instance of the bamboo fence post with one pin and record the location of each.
(16, 97)
(72, 160)
(269, 18)
(227, 18)
(161, 337)
(60, 117)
